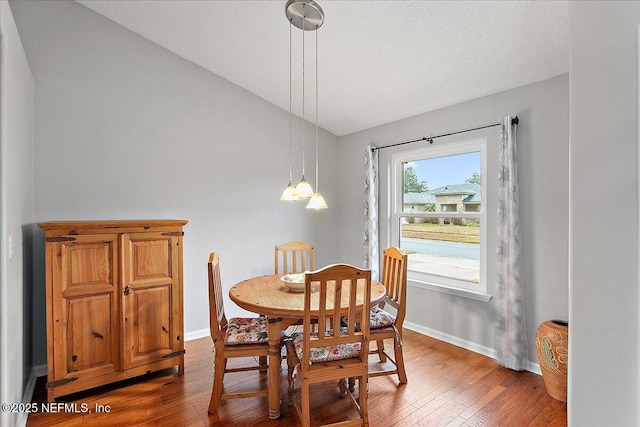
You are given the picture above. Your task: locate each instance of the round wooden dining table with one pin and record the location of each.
(268, 295)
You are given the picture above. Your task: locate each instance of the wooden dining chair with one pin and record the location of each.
(293, 257)
(232, 338)
(325, 358)
(385, 325)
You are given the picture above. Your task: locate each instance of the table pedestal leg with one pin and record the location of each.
(274, 367)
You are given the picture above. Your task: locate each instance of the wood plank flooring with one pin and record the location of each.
(448, 387)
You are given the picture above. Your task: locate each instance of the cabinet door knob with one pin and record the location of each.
(128, 290)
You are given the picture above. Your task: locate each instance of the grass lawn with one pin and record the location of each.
(448, 233)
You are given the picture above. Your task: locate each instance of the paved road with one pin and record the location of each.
(438, 247)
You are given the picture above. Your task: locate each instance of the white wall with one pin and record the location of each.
(16, 213)
(603, 352)
(126, 129)
(543, 134)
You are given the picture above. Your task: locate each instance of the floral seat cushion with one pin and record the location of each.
(242, 330)
(329, 353)
(380, 318)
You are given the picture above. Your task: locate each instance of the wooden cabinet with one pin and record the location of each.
(114, 301)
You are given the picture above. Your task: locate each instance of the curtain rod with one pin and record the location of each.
(514, 121)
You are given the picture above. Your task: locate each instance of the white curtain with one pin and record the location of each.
(370, 248)
(511, 338)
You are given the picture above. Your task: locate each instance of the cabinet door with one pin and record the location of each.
(152, 296)
(84, 306)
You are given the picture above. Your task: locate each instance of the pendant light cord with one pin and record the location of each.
(290, 120)
(303, 116)
(317, 181)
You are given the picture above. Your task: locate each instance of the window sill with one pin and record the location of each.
(465, 293)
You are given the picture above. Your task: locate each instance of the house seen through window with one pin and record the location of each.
(438, 215)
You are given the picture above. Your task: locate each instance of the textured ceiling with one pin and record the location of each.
(379, 61)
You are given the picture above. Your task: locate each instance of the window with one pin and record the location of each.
(437, 214)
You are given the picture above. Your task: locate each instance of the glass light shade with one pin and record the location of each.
(317, 202)
(289, 193)
(303, 189)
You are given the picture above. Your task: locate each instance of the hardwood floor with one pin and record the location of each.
(448, 387)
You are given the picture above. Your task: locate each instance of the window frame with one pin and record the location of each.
(431, 281)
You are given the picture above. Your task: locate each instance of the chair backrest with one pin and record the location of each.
(394, 279)
(339, 293)
(217, 318)
(293, 257)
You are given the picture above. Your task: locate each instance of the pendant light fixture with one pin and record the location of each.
(289, 193)
(317, 201)
(306, 15)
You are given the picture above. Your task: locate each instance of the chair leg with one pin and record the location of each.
(380, 347)
(220, 364)
(343, 387)
(262, 360)
(292, 382)
(290, 388)
(402, 374)
(363, 387)
(291, 365)
(305, 413)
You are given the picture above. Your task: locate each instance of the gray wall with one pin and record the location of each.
(603, 352)
(126, 129)
(543, 135)
(16, 213)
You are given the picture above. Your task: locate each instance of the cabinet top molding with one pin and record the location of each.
(109, 226)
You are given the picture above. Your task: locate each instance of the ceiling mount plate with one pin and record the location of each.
(304, 11)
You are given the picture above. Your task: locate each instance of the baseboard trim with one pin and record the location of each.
(40, 370)
(36, 371)
(194, 335)
(534, 367)
(468, 345)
